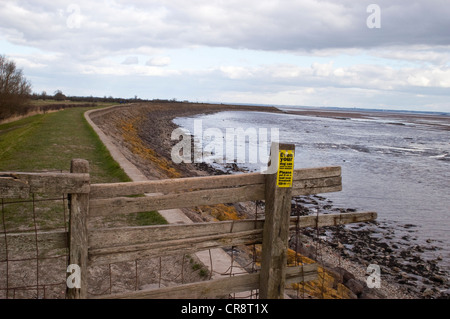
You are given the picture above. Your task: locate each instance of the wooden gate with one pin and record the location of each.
(102, 246)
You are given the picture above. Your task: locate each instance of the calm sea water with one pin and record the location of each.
(398, 168)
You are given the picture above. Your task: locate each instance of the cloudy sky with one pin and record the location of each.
(389, 54)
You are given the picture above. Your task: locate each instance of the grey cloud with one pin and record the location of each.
(274, 25)
(411, 31)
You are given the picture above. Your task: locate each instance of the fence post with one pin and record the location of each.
(78, 239)
(276, 230)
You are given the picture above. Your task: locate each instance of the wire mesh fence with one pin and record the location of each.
(174, 270)
(28, 269)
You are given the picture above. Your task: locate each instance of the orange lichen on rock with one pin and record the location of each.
(130, 135)
(326, 286)
(220, 212)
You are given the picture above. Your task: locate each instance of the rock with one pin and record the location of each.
(437, 278)
(372, 293)
(369, 295)
(445, 294)
(338, 278)
(307, 251)
(356, 286)
(404, 275)
(396, 269)
(351, 295)
(427, 293)
(346, 275)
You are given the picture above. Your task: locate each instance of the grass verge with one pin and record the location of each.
(50, 141)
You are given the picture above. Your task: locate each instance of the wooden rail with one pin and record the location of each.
(21, 185)
(203, 191)
(301, 177)
(218, 287)
(103, 242)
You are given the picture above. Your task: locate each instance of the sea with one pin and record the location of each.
(394, 163)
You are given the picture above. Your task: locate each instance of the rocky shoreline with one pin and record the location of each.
(372, 243)
(404, 272)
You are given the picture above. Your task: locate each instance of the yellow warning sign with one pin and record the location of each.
(285, 168)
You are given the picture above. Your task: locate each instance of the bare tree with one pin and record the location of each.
(15, 90)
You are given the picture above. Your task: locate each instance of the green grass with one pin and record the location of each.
(202, 271)
(147, 218)
(50, 141)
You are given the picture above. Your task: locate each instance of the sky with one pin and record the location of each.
(384, 54)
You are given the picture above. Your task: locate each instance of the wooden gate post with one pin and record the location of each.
(78, 239)
(276, 230)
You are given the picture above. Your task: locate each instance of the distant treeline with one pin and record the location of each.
(42, 103)
(95, 99)
(59, 96)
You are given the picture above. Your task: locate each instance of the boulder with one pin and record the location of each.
(372, 293)
(356, 286)
(344, 274)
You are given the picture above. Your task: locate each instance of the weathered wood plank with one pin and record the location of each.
(170, 247)
(317, 182)
(114, 237)
(121, 205)
(78, 233)
(302, 273)
(24, 243)
(331, 219)
(275, 233)
(319, 172)
(217, 287)
(131, 235)
(130, 243)
(315, 190)
(166, 186)
(118, 236)
(49, 241)
(201, 183)
(110, 206)
(13, 188)
(20, 185)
